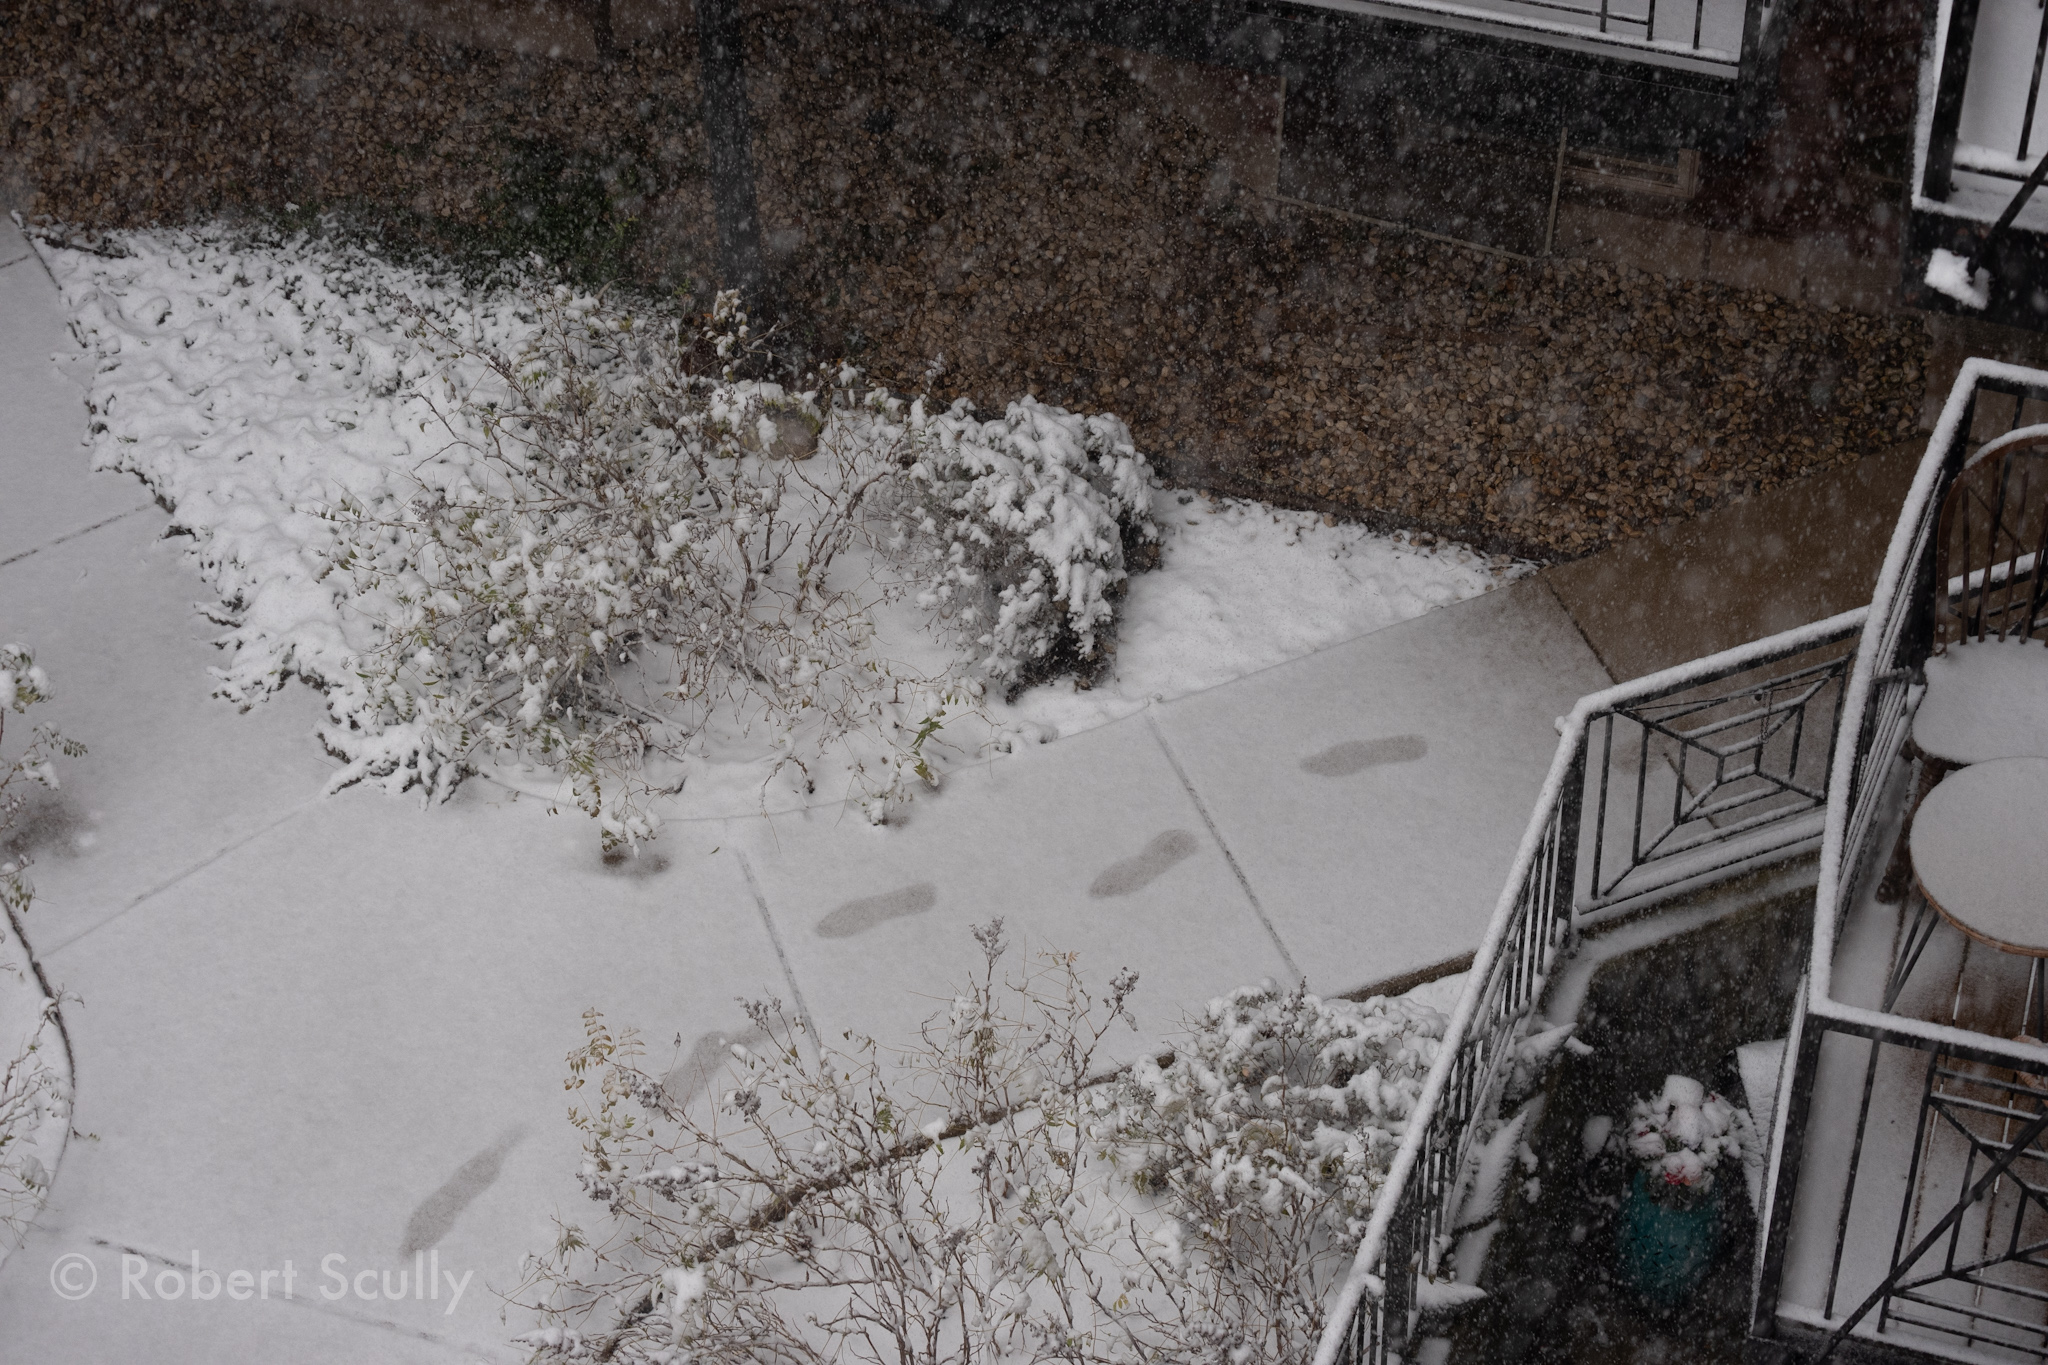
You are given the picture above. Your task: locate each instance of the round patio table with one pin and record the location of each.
(1984, 701)
(1980, 853)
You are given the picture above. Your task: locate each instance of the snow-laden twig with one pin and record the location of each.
(538, 529)
(993, 1193)
(607, 551)
(1020, 526)
(34, 1094)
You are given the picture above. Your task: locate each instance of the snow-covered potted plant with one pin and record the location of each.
(1677, 1140)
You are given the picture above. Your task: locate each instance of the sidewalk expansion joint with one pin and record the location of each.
(163, 1262)
(781, 955)
(172, 881)
(20, 555)
(1585, 637)
(1296, 975)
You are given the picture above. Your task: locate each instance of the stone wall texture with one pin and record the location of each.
(1042, 216)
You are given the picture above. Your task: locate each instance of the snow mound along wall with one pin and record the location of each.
(1026, 521)
(370, 457)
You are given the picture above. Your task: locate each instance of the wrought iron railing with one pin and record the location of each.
(1694, 774)
(1760, 732)
(1989, 100)
(1713, 765)
(1709, 35)
(1955, 1296)
(1667, 782)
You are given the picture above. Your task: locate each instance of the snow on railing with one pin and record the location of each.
(1878, 692)
(1544, 902)
(1534, 921)
(1864, 785)
(1706, 35)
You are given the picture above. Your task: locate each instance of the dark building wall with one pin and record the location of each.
(1076, 221)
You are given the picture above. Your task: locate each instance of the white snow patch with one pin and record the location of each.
(1493, 1161)
(253, 385)
(1441, 994)
(1443, 1296)
(1985, 699)
(1243, 586)
(1948, 273)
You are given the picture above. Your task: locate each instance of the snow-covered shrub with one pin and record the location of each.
(994, 1193)
(1269, 1134)
(947, 1204)
(33, 1094)
(1018, 529)
(1281, 1097)
(609, 547)
(23, 684)
(622, 535)
(1681, 1136)
(580, 541)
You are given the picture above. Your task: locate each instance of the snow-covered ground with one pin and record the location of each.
(254, 385)
(311, 1026)
(1242, 586)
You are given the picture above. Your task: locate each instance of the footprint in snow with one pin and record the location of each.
(437, 1213)
(707, 1061)
(1148, 865)
(1356, 755)
(857, 917)
(633, 862)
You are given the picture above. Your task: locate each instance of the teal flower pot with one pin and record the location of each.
(1667, 1248)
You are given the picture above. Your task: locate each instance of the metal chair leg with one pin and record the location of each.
(1917, 935)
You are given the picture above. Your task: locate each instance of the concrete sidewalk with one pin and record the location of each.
(309, 1027)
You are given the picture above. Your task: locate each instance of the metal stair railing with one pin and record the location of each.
(1752, 722)
(1867, 786)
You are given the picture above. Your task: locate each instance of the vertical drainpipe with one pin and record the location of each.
(721, 64)
(1948, 100)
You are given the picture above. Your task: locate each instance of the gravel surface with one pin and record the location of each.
(1029, 211)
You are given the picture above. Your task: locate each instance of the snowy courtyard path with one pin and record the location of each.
(329, 1031)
